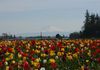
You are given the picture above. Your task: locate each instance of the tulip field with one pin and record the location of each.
(78, 54)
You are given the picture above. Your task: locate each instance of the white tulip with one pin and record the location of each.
(44, 61)
(42, 68)
(42, 49)
(56, 57)
(6, 63)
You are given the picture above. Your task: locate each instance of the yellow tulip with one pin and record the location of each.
(7, 59)
(69, 53)
(75, 55)
(52, 53)
(35, 69)
(24, 58)
(13, 50)
(59, 53)
(19, 55)
(37, 51)
(27, 47)
(7, 67)
(69, 57)
(43, 55)
(0, 49)
(35, 64)
(52, 60)
(20, 62)
(62, 53)
(62, 49)
(32, 62)
(37, 60)
(13, 61)
(89, 53)
(11, 56)
(32, 49)
(27, 51)
(7, 53)
(87, 61)
(82, 67)
(39, 46)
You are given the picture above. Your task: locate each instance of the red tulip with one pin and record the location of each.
(97, 50)
(33, 59)
(33, 42)
(46, 51)
(1, 64)
(20, 43)
(94, 53)
(24, 54)
(26, 65)
(76, 49)
(30, 57)
(52, 47)
(18, 49)
(32, 52)
(9, 49)
(93, 47)
(98, 59)
(59, 44)
(86, 68)
(3, 60)
(21, 52)
(53, 65)
(4, 48)
(98, 41)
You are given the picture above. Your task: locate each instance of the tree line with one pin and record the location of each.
(91, 27)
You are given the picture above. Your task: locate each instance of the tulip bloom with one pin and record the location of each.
(26, 65)
(1, 64)
(53, 65)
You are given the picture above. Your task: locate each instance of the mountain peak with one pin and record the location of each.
(52, 29)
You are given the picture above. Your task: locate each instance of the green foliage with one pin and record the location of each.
(91, 28)
(74, 35)
(58, 36)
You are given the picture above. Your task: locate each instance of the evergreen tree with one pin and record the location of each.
(86, 25)
(91, 28)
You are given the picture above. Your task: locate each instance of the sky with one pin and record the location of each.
(29, 16)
